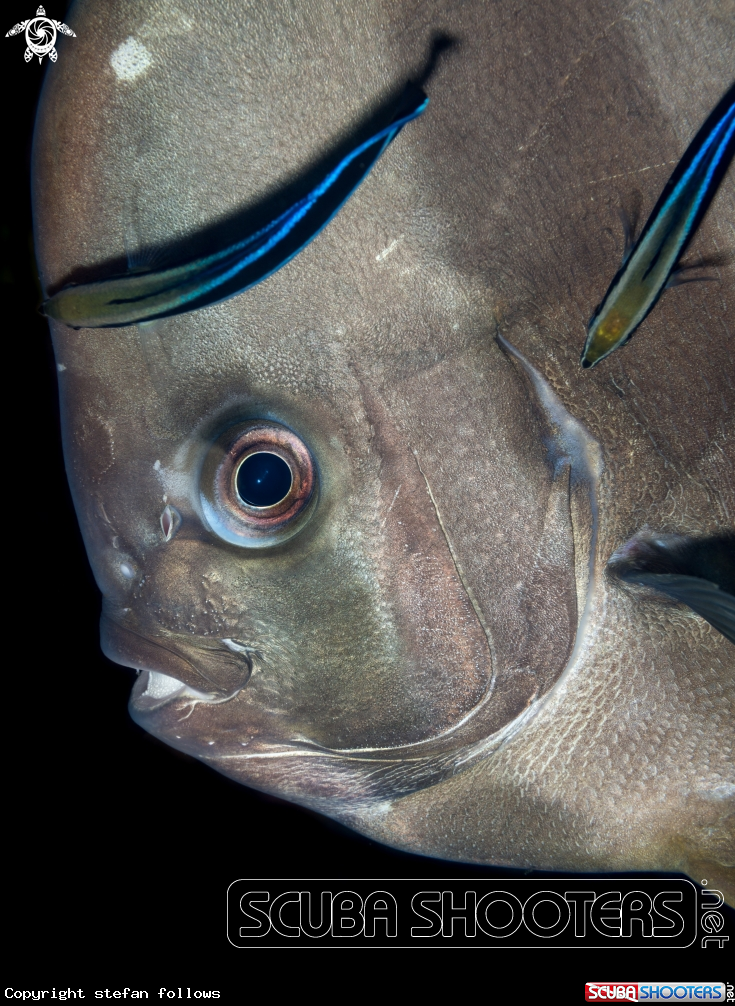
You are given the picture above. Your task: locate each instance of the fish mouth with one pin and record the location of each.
(209, 668)
(152, 689)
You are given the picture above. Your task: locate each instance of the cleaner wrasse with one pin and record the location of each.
(653, 260)
(144, 296)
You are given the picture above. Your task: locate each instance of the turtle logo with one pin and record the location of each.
(40, 35)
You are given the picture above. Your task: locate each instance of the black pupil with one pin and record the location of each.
(263, 479)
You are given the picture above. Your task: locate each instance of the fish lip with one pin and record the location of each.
(146, 699)
(134, 646)
(152, 690)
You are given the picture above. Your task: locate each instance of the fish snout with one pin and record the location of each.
(207, 666)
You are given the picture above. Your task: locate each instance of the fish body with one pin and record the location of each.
(680, 208)
(148, 295)
(426, 640)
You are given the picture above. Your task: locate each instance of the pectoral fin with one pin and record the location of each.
(698, 572)
(702, 596)
(681, 274)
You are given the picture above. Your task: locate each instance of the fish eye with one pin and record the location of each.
(258, 484)
(263, 479)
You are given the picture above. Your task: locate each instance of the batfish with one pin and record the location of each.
(372, 538)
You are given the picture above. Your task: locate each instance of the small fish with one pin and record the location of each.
(649, 267)
(143, 296)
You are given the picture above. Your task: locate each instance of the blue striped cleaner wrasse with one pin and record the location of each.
(652, 262)
(144, 296)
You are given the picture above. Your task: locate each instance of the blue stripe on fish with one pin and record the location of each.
(133, 298)
(669, 229)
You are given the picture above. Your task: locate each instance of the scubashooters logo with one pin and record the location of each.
(522, 913)
(655, 991)
(40, 35)
(711, 921)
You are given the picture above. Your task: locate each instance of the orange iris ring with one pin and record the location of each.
(271, 438)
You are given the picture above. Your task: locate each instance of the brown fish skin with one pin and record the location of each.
(377, 345)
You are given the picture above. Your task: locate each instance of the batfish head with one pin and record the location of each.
(422, 642)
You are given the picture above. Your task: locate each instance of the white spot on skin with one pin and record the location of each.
(395, 497)
(60, 367)
(723, 792)
(381, 809)
(130, 59)
(169, 21)
(127, 571)
(391, 247)
(174, 481)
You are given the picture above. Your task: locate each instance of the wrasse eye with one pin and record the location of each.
(258, 484)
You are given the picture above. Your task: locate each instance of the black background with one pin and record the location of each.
(118, 850)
